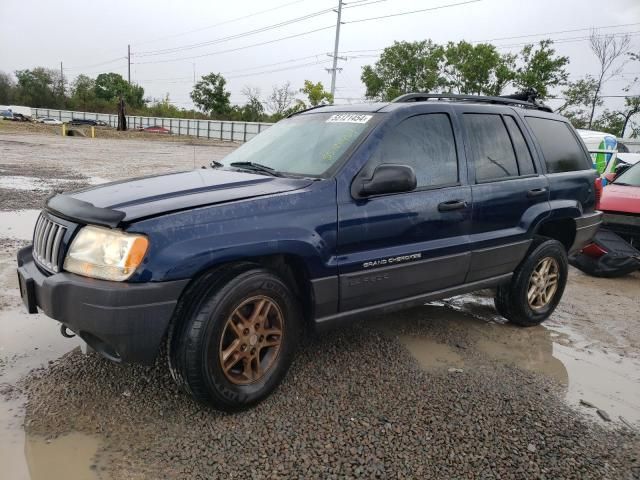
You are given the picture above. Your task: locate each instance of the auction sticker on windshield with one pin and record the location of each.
(349, 118)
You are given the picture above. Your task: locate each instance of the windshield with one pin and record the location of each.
(306, 145)
(631, 177)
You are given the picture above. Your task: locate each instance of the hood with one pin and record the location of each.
(149, 196)
(620, 198)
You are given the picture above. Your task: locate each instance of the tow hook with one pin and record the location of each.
(64, 331)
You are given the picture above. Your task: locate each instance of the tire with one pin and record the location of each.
(213, 320)
(512, 300)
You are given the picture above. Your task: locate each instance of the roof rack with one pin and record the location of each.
(525, 99)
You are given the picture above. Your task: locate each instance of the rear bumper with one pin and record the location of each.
(125, 322)
(586, 227)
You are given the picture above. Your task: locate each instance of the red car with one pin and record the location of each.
(614, 251)
(156, 129)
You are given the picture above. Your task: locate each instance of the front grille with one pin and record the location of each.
(47, 240)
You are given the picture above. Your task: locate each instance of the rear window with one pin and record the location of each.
(561, 150)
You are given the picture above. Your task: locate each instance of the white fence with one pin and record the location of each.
(213, 129)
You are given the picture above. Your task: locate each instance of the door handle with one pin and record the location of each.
(536, 192)
(451, 205)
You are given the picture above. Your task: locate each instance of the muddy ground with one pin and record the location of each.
(446, 390)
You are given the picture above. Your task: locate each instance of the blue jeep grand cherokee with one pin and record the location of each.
(333, 213)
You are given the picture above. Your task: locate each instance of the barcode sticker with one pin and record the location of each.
(349, 118)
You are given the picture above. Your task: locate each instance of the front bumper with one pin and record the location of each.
(586, 228)
(125, 322)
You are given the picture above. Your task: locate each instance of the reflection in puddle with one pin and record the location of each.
(18, 224)
(608, 381)
(68, 457)
(527, 348)
(431, 354)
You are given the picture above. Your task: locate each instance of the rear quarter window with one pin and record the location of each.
(560, 147)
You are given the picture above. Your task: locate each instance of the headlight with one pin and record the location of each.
(104, 253)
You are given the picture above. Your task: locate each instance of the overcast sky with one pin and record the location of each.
(91, 37)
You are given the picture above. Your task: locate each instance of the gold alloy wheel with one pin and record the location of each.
(251, 340)
(543, 283)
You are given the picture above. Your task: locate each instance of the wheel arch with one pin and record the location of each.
(562, 229)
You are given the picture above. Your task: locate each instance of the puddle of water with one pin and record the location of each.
(98, 180)
(32, 183)
(68, 457)
(23, 183)
(18, 224)
(607, 380)
(430, 354)
(527, 348)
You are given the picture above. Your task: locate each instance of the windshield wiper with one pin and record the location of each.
(256, 167)
(216, 164)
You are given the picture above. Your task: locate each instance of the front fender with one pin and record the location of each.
(300, 223)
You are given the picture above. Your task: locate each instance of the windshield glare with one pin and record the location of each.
(630, 177)
(306, 145)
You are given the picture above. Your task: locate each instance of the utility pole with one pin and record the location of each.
(335, 51)
(61, 80)
(129, 63)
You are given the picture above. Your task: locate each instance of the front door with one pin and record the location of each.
(397, 246)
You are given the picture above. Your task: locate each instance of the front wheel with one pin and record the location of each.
(537, 285)
(236, 344)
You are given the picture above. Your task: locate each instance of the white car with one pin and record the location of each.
(50, 121)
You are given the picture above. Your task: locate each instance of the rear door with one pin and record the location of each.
(508, 190)
(396, 246)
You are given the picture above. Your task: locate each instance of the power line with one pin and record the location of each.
(118, 59)
(281, 69)
(233, 37)
(573, 39)
(413, 11)
(237, 48)
(230, 75)
(514, 37)
(225, 22)
(556, 32)
(266, 28)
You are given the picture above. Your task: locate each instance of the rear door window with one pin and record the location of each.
(495, 157)
(560, 147)
(525, 161)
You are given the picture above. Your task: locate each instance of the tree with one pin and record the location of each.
(540, 68)
(477, 70)
(39, 87)
(608, 49)
(111, 86)
(210, 96)
(316, 93)
(83, 93)
(7, 89)
(404, 67)
(578, 99)
(280, 100)
(616, 122)
(253, 110)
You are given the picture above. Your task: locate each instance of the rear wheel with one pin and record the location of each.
(234, 347)
(537, 285)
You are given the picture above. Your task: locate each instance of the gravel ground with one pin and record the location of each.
(355, 404)
(359, 402)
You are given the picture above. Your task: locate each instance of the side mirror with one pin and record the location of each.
(610, 176)
(387, 178)
(621, 168)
